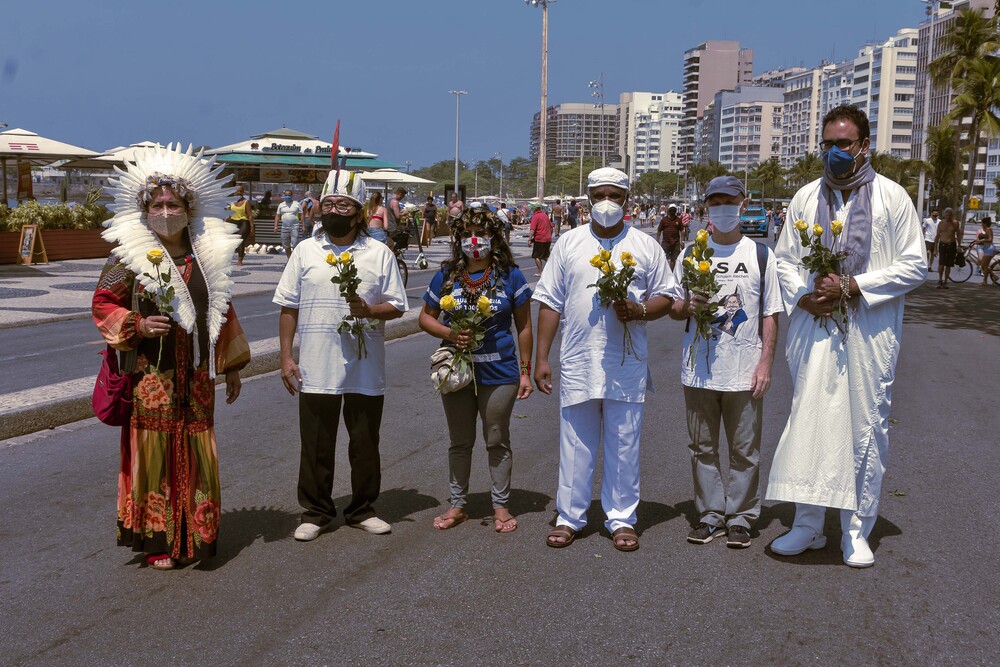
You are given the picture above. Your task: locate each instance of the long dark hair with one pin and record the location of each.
(501, 258)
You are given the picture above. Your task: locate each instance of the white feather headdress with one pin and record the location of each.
(213, 240)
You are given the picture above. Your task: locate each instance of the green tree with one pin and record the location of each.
(943, 163)
(904, 172)
(658, 184)
(703, 172)
(971, 38)
(771, 177)
(805, 170)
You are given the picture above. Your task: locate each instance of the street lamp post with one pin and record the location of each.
(542, 120)
(932, 10)
(499, 154)
(598, 88)
(458, 98)
(579, 133)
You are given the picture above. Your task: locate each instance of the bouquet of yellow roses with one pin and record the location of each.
(162, 295)
(613, 286)
(822, 261)
(348, 281)
(471, 319)
(699, 277)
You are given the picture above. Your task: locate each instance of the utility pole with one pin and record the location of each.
(543, 119)
(458, 115)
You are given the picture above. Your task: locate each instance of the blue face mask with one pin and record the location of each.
(838, 162)
(287, 198)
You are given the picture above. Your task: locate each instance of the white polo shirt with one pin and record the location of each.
(328, 360)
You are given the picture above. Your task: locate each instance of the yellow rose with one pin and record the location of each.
(817, 230)
(689, 263)
(605, 255)
(331, 259)
(801, 225)
(704, 267)
(448, 303)
(596, 262)
(625, 256)
(608, 268)
(155, 256)
(701, 238)
(836, 227)
(484, 305)
(628, 261)
(345, 257)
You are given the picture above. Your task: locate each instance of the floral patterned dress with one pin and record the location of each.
(168, 484)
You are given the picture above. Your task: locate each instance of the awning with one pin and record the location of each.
(300, 161)
(26, 146)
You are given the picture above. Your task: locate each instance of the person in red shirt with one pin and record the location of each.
(668, 233)
(541, 237)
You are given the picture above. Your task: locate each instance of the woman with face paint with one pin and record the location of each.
(482, 265)
(169, 222)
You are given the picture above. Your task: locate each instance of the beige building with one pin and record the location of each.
(747, 126)
(708, 68)
(649, 124)
(801, 113)
(568, 125)
(884, 84)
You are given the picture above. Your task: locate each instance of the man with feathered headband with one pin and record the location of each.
(164, 300)
(332, 373)
(602, 389)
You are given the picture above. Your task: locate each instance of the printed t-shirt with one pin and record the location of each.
(670, 230)
(289, 213)
(590, 354)
(496, 360)
(328, 360)
(735, 346)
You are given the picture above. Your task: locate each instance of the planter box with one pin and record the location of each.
(60, 244)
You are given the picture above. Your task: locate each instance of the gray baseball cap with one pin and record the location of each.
(725, 185)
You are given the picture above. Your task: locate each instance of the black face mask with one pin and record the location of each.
(337, 225)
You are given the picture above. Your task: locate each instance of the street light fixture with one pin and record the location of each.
(598, 93)
(579, 133)
(540, 181)
(498, 154)
(458, 98)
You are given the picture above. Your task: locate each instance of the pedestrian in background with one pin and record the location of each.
(310, 210)
(947, 242)
(430, 219)
(833, 451)
(602, 388)
(242, 216)
(540, 237)
(332, 374)
(668, 233)
(930, 225)
(724, 383)
(984, 243)
(289, 217)
(168, 220)
(376, 214)
(482, 265)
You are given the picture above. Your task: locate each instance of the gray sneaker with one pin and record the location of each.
(704, 533)
(738, 537)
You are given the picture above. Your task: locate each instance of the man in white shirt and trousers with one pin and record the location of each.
(602, 389)
(332, 373)
(834, 448)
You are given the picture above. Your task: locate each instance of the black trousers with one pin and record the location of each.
(319, 416)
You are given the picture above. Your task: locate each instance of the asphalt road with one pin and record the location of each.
(472, 597)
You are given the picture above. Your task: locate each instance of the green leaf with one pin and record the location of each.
(165, 277)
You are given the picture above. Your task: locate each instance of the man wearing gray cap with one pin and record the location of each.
(602, 389)
(725, 377)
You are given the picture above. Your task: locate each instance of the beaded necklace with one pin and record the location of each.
(472, 289)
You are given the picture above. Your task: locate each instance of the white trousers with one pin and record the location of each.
(581, 429)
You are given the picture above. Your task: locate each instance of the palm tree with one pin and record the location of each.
(942, 149)
(807, 169)
(978, 98)
(703, 172)
(771, 176)
(971, 38)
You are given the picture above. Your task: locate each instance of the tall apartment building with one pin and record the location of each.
(648, 128)
(885, 79)
(836, 86)
(568, 124)
(802, 114)
(775, 78)
(708, 68)
(747, 126)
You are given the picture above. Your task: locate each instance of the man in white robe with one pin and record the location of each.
(602, 385)
(834, 448)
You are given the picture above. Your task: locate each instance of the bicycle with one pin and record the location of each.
(966, 263)
(400, 241)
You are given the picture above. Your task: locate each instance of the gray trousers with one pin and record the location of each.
(493, 405)
(740, 413)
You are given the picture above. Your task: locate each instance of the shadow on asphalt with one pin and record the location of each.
(962, 306)
(396, 505)
(784, 513)
(239, 528)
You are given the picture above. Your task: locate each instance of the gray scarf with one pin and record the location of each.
(856, 238)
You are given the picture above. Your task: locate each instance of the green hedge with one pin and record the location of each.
(60, 216)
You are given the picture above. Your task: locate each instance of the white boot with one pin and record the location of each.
(854, 542)
(806, 532)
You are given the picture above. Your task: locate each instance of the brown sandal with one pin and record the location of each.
(622, 536)
(565, 532)
(444, 522)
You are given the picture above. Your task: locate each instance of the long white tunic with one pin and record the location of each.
(590, 356)
(834, 448)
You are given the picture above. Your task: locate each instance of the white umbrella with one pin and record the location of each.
(113, 157)
(391, 176)
(26, 146)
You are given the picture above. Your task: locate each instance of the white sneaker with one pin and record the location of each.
(307, 532)
(857, 553)
(373, 525)
(797, 540)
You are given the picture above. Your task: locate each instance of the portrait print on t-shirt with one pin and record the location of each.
(732, 316)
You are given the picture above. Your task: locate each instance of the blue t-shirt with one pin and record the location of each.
(495, 361)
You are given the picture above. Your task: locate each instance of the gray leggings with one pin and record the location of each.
(494, 405)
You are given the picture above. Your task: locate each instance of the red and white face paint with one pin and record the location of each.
(477, 247)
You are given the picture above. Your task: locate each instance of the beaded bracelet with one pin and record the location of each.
(525, 368)
(643, 304)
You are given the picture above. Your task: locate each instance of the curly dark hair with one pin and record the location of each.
(501, 258)
(851, 113)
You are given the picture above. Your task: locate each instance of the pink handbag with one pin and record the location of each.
(112, 397)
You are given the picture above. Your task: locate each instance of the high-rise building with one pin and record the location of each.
(708, 68)
(569, 124)
(836, 86)
(801, 115)
(747, 126)
(775, 78)
(648, 127)
(885, 78)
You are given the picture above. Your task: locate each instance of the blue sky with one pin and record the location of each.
(101, 74)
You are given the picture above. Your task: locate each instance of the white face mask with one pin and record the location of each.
(477, 247)
(167, 225)
(606, 213)
(724, 218)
